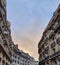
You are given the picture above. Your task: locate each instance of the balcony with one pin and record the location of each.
(55, 55)
(46, 46)
(41, 46)
(41, 56)
(46, 55)
(54, 26)
(57, 27)
(45, 39)
(46, 52)
(53, 44)
(58, 39)
(51, 34)
(43, 60)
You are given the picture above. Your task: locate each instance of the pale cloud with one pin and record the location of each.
(29, 38)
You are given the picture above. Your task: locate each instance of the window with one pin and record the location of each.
(53, 44)
(15, 56)
(59, 46)
(58, 39)
(18, 62)
(18, 58)
(0, 59)
(58, 21)
(3, 62)
(15, 61)
(54, 50)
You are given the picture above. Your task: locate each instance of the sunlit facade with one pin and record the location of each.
(49, 45)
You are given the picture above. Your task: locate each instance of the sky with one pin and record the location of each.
(28, 20)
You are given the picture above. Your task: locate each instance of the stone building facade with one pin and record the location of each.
(49, 45)
(21, 58)
(5, 36)
(36, 62)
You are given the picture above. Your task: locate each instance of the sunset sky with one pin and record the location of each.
(28, 20)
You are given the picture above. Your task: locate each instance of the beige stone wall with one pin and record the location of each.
(4, 60)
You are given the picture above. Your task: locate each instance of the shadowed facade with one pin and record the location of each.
(49, 45)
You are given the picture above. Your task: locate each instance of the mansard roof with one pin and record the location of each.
(55, 16)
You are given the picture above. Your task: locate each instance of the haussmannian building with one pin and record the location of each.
(9, 52)
(49, 45)
(21, 58)
(5, 36)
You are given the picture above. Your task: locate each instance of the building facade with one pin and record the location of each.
(21, 58)
(5, 38)
(49, 45)
(36, 62)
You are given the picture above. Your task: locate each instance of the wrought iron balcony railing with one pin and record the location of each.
(53, 44)
(58, 40)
